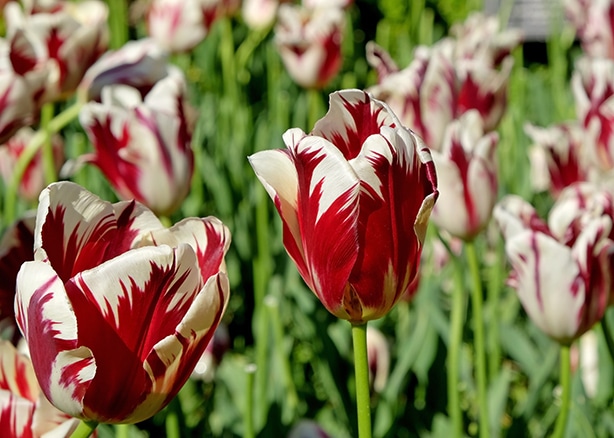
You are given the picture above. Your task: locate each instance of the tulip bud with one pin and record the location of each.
(309, 42)
(467, 176)
(350, 223)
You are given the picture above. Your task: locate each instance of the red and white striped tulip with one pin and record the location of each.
(309, 43)
(354, 197)
(259, 14)
(16, 247)
(139, 64)
(33, 180)
(378, 355)
(594, 23)
(558, 157)
(68, 40)
(442, 83)
(593, 88)
(467, 170)
(24, 410)
(564, 285)
(180, 25)
(110, 285)
(18, 94)
(143, 146)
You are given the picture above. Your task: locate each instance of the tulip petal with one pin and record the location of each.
(173, 359)
(78, 230)
(387, 166)
(16, 373)
(209, 238)
(16, 415)
(353, 116)
(45, 317)
(550, 287)
(327, 211)
(130, 303)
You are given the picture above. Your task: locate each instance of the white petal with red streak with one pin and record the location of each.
(547, 273)
(450, 212)
(16, 373)
(130, 272)
(333, 171)
(85, 213)
(277, 173)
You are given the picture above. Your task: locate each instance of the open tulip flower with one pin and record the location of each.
(593, 88)
(115, 308)
(467, 172)
(33, 180)
(450, 78)
(143, 146)
(563, 279)
(68, 39)
(594, 23)
(139, 64)
(558, 158)
(16, 247)
(354, 197)
(24, 410)
(309, 42)
(179, 25)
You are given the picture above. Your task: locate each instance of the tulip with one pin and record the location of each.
(24, 411)
(593, 87)
(180, 25)
(110, 285)
(594, 23)
(354, 197)
(480, 36)
(19, 94)
(557, 156)
(447, 80)
(467, 172)
(139, 64)
(33, 180)
(16, 247)
(143, 146)
(68, 39)
(259, 14)
(309, 42)
(563, 280)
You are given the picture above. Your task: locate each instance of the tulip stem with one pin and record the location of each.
(361, 370)
(454, 347)
(250, 370)
(478, 331)
(607, 334)
(84, 429)
(48, 158)
(561, 421)
(37, 141)
(118, 23)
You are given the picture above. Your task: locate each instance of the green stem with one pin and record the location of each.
(494, 292)
(37, 141)
(478, 331)
(171, 423)
(315, 108)
(249, 402)
(361, 370)
(454, 347)
(122, 431)
(48, 158)
(84, 429)
(561, 421)
(118, 23)
(290, 406)
(607, 334)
